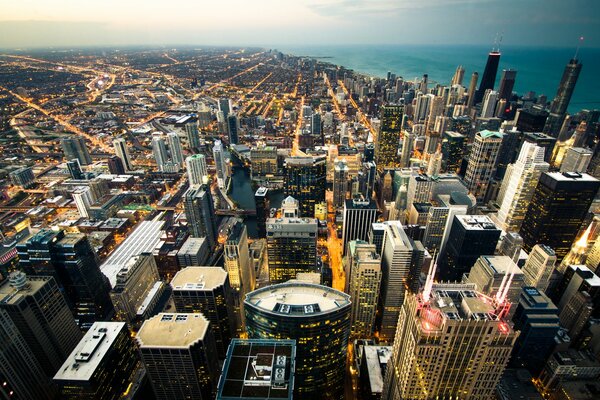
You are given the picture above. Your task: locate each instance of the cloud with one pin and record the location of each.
(357, 8)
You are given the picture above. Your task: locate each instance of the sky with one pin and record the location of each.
(268, 23)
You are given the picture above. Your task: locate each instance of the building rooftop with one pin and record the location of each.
(486, 134)
(199, 278)
(88, 354)
(376, 358)
(258, 369)
(296, 298)
(172, 330)
(9, 294)
(261, 191)
(501, 265)
(476, 222)
(570, 177)
(192, 245)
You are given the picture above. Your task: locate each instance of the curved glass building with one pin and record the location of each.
(318, 318)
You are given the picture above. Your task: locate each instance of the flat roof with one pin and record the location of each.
(88, 354)
(199, 278)
(192, 245)
(502, 265)
(476, 222)
(10, 295)
(149, 297)
(376, 357)
(571, 176)
(177, 330)
(258, 369)
(297, 298)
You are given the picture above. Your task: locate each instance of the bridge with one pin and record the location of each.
(236, 212)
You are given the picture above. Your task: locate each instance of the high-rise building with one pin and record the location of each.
(39, 312)
(507, 83)
(193, 252)
(402, 259)
(74, 169)
(578, 278)
(452, 342)
(115, 165)
(557, 210)
(225, 106)
(305, 179)
(22, 375)
(175, 150)
(388, 138)
(206, 290)
(261, 369)
(488, 108)
(102, 366)
(159, 150)
(192, 135)
(318, 318)
(220, 163)
(482, 162)
(291, 247)
(408, 144)
(472, 89)
(340, 182)
(536, 319)
(22, 177)
(359, 214)
(539, 267)
(457, 79)
(518, 186)
(469, 237)
(453, 144)
(315, 124)
(233, 125)
(196, 169)
(121, 151)
(178, 352)
(489, 75)
(263, 206)
(264, 162)
(75, 149)
(576, 159)
(70, 259)
(200, 213)
(561, 101)
(363, 269)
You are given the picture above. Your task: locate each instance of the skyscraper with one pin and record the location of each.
(115, 165)
(489, 75)
(340, 182)
(576, 159)
(121, 151)
(159, 150)
(557, 210)
(560, 104)
(263, 203)
(507, 83)
(178, 351)
(225, 106)
(192, 135)
(482, 162)
(388, 138)
(453, 144)
(70, 259)
(175, 150)
(318, 318)
(305, 179)
(472, 89)
(363, 269)
(539, 267)
(451, 342)
(196, 169)
(232, 128)
(220, 163)
(359, 214)
(75, 149)
(457, 79)
(200, 213)
(488, 108)
(206, 290)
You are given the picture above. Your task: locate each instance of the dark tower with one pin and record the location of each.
(559, 106)
(489, 75)
(507, 83)
(262, 202)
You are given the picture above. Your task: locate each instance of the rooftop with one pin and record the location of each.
(199, 278)
(172, 330)
(476, 222)
(376, 357)
(192, 245)
(486, 134)
(88, 354)
(10, 295)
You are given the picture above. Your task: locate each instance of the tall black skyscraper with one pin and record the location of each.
(115, 165)
(559, 106)
(507, 83)
(232, 128)
(305, 181)
(200, 213)
(262, 210)
(489, 75)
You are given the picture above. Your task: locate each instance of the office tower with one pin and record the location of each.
(196, 169)
(369, 153)
(70, 259)
(291, 247)
(457, 79)
(264, 162)
(41, 316)
(359, 214)
(200, 213)
(482, 162)
(422, 105)
(560, 104)
(434, 166)
(206, 290)
(240, 268)
(134, 282)
(511, 245)
(578, 278)
(388, 138)
(518, 186)
(366, 177)
(175, 150)
(363, 271)
(489, 75)
(408, 143)
(570, 374)
(490, 273)
(159, 150)
(21, 373)
(304, 180)
(260, 369)
(121, 151)
(452, 342)
(470, 237)
(315, 124)
(371, 371)
(453, 144)
(593, 257)
(576, 159)
(436, 109)
(472, 88)
(225, 107)
(539, 267)
(74, 148)
(557, 210)
(439, 219)
(263, 206)
(489, 104)
(22, 177)
(376, 234)
(536, 319)
(507, 83)
(402, 259)
(340, 182)
(233, 125)
(194, 251)
(318, 318)
(220, 163)
(115, 165)
(419, 189)
(74, 168)
(192, 135)
(83, 200)
(103, 365)
(178, 351)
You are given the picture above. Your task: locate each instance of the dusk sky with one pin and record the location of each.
(37, 23)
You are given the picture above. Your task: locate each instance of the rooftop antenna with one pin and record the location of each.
(579, 43)
(429, 280)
